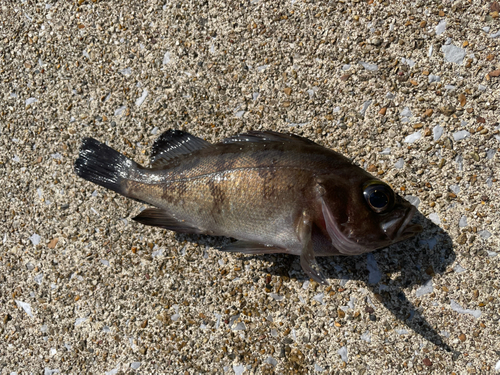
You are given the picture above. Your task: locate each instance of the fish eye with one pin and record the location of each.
(378, 196)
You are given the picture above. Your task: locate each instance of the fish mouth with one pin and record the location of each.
(407, 230)
(394, 232)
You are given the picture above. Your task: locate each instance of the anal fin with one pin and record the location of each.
(248, 247)
(161, 218)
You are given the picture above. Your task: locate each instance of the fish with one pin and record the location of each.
(271, 192)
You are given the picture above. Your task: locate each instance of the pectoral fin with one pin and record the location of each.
(248, 247)
(307, 258)
(161, 218)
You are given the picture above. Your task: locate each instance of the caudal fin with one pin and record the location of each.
(104, 166)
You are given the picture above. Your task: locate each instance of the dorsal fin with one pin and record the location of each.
(267, 136)
(172, 144)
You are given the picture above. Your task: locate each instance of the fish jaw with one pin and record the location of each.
(339, 240)
(396, 229)
(399, 230)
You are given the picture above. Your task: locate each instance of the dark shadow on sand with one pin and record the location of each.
(417, 260)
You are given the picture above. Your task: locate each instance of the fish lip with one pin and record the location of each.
(405, 230)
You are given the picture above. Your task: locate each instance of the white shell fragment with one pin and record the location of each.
(239, 369)
(113, 371)
(120, 110)
(495, 35)
(434, 78)
(415, 201)
(441, 27)
(166, 58)
(126, 71)
(31, 101)
(409, 62)
(343, 353)
(270, 360)
(319, 298)
(463, 222)
(368, 66)
(366, 336)
(434, 217)
(413, 137)
(400, 163)
(406, 112)
(26, 307)
(453, 53)
(459, 309)
(365, 107)
(437, 132)
(79, 321)
(461, 134)
(318, 368)
(135, 365)
(35, 239)
(425, 289)
(276, 297)
(141, 98)
(484, 234)
(458, 268)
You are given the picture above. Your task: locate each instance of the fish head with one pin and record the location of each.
(361, 213)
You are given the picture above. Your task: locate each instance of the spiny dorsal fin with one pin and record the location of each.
(267, 136)
(172, 144)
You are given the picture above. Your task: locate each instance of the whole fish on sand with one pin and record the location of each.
(273, 192)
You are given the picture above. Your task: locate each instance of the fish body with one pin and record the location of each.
(273, 192)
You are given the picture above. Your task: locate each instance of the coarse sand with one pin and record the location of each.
(409, 90)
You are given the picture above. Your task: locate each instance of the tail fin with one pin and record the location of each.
(104, 166)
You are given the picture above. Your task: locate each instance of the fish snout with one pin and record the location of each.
(398, 227)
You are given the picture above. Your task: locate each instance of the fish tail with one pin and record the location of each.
(104, 166)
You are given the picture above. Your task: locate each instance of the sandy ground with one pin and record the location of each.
(409, 91)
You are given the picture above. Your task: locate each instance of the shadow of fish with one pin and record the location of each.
(273, 192)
